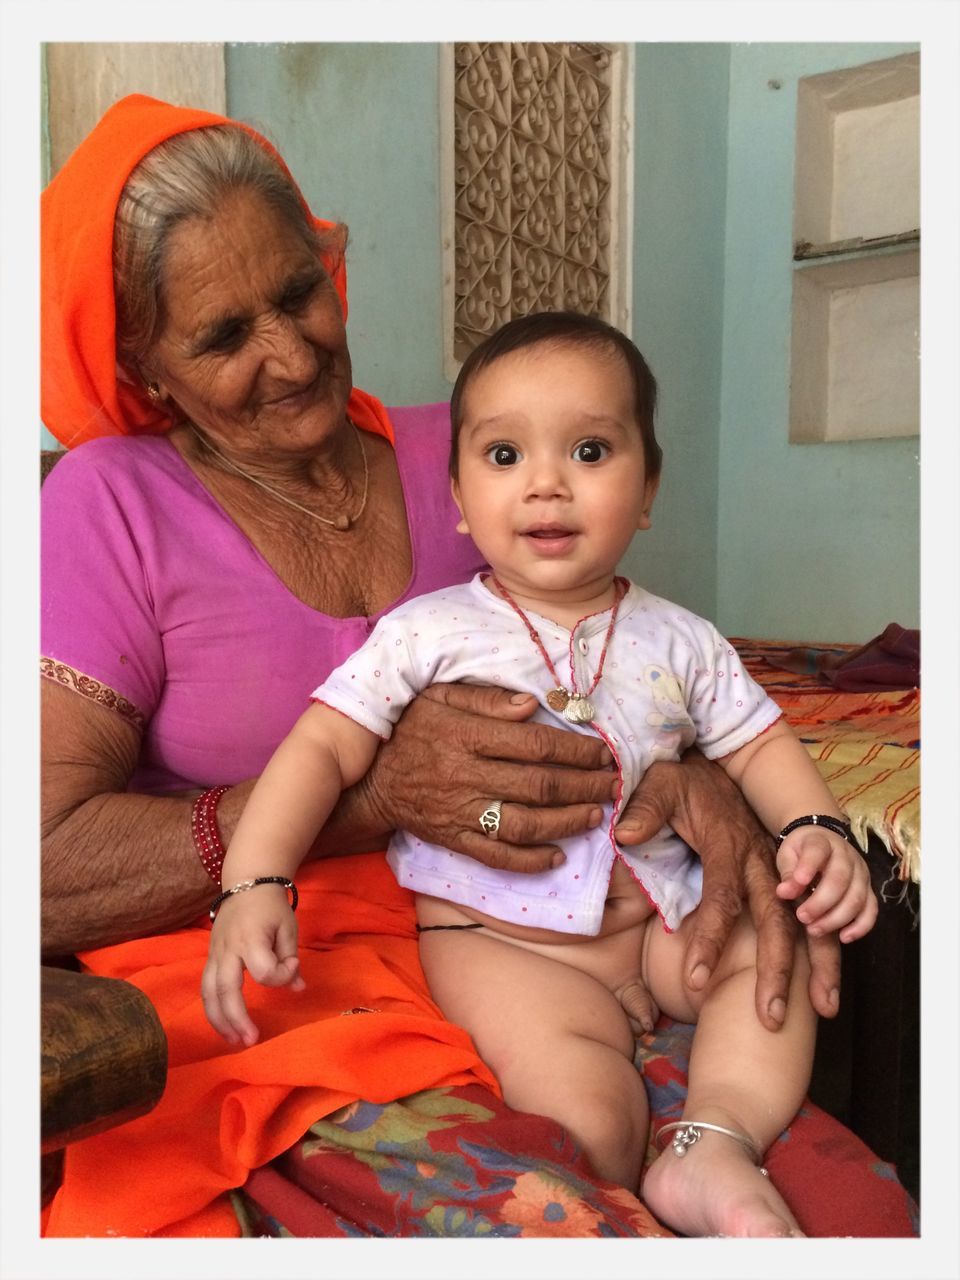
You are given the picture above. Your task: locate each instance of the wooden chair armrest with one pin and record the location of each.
(48, 460)
(103, 1055)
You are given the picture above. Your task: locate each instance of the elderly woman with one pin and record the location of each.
(236, 519)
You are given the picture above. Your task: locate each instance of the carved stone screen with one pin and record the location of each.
(538, 136)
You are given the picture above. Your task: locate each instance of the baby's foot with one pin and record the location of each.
(715, 1189)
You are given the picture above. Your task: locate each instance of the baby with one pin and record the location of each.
(554, 467)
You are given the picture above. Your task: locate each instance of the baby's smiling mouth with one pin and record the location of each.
(550, 540)
(548, 532)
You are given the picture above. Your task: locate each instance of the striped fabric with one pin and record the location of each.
(866, 745)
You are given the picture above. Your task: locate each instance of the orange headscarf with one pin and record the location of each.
(81, 395)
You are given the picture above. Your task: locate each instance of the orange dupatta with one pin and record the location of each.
(365, 1027)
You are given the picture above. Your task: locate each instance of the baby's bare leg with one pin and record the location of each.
(741, 1077)
(555, 1037)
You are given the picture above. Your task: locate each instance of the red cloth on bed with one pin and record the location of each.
(890, 660)
(459, 1163)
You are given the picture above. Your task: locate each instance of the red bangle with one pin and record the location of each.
(206, 833)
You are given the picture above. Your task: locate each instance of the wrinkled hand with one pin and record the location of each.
(842, 899)
(457, 747)
(255, 931)
(707, 810)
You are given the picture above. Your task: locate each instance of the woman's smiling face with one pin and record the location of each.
(254, 348)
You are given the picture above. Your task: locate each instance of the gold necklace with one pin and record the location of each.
(574, 705)
(341, 522)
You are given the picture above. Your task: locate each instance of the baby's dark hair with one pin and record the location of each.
(560, 328)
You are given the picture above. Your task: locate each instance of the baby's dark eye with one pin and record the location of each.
(503, 455)
(590, 451)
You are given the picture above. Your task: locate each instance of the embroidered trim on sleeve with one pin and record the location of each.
(98, 692)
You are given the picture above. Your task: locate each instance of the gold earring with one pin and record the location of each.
(153, 391)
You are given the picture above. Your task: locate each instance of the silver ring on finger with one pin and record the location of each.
(490, 819)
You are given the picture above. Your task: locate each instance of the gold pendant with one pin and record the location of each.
(579, 710)
(557, 699)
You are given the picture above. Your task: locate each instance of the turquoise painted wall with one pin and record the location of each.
(815, 541)
(679, 196)
(378, 170)
(358, 124)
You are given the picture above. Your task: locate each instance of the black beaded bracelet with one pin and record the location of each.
(244, 885)
(836, 825)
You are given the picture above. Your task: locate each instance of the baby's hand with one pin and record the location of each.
(842, 898)
(257, 931)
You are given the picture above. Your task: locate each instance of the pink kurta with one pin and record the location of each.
(156, 604)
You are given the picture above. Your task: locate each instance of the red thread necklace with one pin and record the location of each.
(575, 706)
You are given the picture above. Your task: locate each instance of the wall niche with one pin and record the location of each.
(856, 283)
